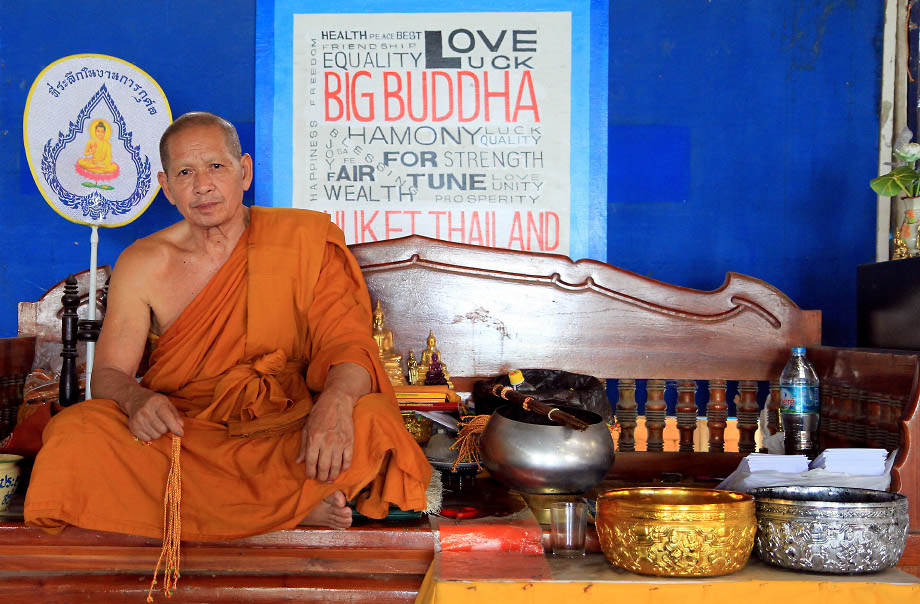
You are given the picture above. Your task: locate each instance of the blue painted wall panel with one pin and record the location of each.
(643, 157)
(768, 111)
(781, 104)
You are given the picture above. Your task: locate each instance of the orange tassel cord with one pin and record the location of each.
(468, 442)
(172, 526)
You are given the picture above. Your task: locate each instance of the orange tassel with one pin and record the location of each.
(468, 442)
(172, 526)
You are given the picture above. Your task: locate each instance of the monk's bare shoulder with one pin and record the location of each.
(147, 267)
(150, 258)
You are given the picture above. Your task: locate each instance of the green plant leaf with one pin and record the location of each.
(900, 180)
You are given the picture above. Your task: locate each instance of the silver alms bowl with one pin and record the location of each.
(830, 529)
(545, 457)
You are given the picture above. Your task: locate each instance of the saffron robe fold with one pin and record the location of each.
(241, 364)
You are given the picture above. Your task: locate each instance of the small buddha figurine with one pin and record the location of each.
(900, 250)
(425, 361)
(900, 247)
(96, 162)
(392, 362)
(412, 366)
(435, 374)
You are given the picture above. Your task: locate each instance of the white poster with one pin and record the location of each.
(450, 125)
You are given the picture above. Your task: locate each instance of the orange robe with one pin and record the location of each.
(240, 363)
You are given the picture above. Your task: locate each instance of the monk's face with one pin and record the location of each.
(205, 180)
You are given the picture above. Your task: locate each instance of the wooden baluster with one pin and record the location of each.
(717, 415)
(748, 412)
(832, 414)
(627, 414)
(773, 404)
(686, 413)
(6, 403)
(845, 414)
(655, 414)
(885, 422)
(18, 386)
(825, 394)
(889, 424)
(894, 434)
(69, 384)
(860, 417)
(873, 419)
(833, 417)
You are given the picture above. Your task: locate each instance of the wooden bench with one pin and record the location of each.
(493, 310)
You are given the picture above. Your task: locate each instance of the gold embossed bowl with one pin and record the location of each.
(419, 426)
(676, 532)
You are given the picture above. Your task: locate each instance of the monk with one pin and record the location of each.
(263, 365)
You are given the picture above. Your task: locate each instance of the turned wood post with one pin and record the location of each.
(773, 405)
(627, 414)
(886, 410)
(655, 414)
(716, 415)
(11, 397)
(824, 391)
(896, 410)
(845, 414)
(831, 415)
(747, 412)
(860, 416)
(686, 413)
(873, 420)
(69, 384)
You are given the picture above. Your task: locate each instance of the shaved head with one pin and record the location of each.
(199, 118)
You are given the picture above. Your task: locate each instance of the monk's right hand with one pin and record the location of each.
(154, 417)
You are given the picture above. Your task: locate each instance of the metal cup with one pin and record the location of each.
(568, 521)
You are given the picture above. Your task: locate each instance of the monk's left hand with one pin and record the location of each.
(328, 438)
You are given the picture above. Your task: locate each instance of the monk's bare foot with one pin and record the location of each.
(331, 512)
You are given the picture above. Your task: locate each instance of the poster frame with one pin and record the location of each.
(589, 98)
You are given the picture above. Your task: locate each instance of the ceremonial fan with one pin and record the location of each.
(91, 129)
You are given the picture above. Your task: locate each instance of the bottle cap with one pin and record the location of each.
(515, 377)
(798, 350)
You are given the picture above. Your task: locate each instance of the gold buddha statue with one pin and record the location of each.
(392, 362)
(412, 367)
(425, 361)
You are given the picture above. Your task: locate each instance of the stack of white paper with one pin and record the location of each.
(764, 462)
(867, 462)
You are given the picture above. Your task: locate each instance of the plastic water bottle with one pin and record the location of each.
(799, 407)
(516, 377)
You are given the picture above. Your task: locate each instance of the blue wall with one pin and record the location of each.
(742, 135)
(201, 57)
(742, 138)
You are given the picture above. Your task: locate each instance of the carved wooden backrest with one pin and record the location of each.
(42, 318)
(493, 310)
(540, 310)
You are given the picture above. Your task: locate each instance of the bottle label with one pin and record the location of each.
(799, 399)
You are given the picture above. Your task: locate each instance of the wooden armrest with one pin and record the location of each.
(854, 380)
(16, 356)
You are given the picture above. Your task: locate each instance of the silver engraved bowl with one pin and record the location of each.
(830, 529)
(529, 453)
